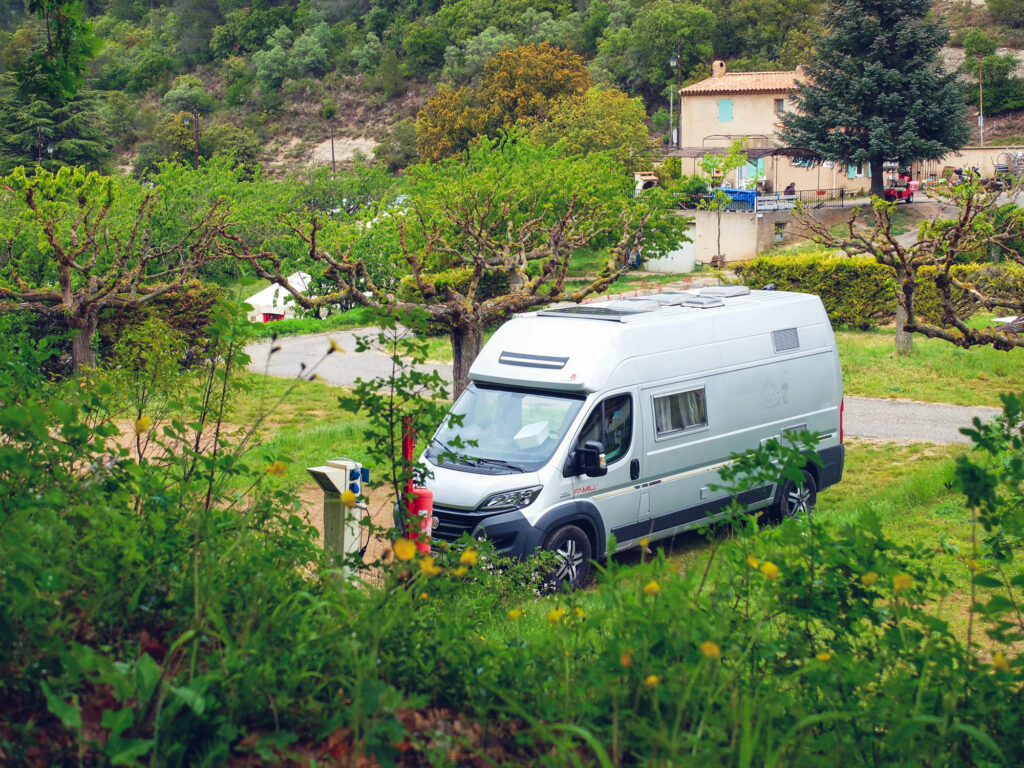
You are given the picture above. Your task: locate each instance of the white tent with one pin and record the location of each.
(275, 302)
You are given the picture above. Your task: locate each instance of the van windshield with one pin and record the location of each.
(503, 431)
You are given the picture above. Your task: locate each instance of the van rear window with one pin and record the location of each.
(679, 412)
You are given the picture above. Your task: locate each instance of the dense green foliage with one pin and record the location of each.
(875, 89)
(162, 603)
(858, 292)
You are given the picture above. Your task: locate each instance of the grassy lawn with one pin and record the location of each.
(936, 372)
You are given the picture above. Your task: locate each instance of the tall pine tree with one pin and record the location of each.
(876, 90)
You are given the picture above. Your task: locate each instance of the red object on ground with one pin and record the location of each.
(423, 513)
(420, 500)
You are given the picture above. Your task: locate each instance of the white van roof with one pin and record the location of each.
(576, 348)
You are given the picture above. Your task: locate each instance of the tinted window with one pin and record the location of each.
(611, 422)
(680, 411)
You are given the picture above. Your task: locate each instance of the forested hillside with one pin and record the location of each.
(269, 81)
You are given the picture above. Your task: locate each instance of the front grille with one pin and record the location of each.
(452, 523)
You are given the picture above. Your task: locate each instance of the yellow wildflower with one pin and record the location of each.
(710, 650)
(348, 498)
(901, 582)
(459, 571)
(142, 425)
(335, 347)
(869, 579)
(555, 615)
(973, 565)
(469, 557)
(579, 614)
(428, 567)
(752, 562)
(625, 659)
(770, 570)
(424, 595)
(515, 614)
(404, 549)
(823, 656)
(651, 681)
(644, 542)
(999, 662)
(278, 468)
(652, 588)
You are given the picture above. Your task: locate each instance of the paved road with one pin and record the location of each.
(900, 421)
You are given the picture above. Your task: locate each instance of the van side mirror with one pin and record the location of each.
(589, 459)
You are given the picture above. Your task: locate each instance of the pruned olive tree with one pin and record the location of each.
(481, 238)
(73, 244)
(976, 220)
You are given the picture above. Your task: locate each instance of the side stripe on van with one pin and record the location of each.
(666, 479)
(533, 361)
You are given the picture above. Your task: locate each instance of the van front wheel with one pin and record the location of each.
(572, 557)
(798, 500)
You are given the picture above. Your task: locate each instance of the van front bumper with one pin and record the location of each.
(509, 532)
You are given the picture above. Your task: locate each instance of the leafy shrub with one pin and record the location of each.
(271, 66)
(491, 284)
(857, 292)
(186, 92)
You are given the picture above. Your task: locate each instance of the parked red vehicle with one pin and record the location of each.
(901, 187)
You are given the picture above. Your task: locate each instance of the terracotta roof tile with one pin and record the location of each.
(744, 82)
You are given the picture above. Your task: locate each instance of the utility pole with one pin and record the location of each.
(334, 170)
(981, 102)
(195, 129)
(39, 145)
(679, 64)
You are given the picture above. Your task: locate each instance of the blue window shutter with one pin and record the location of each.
(725, 110)
(867, 167)
(851, 171)
(760, 165)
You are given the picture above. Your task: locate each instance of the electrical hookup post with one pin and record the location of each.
(342, 480)
(416, 520)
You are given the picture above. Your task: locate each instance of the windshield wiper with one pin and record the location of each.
(500, 463)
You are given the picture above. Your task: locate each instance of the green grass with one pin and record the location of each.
(303, 424)
(936, 372)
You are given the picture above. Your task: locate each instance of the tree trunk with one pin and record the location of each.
(82, 353)
(877, 177)
(904, 339)
(467, 339)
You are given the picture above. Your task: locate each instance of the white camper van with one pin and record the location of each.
(615, 417)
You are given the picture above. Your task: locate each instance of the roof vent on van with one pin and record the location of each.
(669, 298)
(785, 340)
(600, 312)
(702, 302)
(725, 291)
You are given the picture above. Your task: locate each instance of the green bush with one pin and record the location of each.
(491, 284)
(857, 292)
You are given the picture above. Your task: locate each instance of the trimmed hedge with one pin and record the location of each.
(858, 292)
(491, 284)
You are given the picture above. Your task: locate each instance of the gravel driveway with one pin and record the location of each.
(897, 421)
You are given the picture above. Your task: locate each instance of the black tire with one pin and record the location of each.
(797, 500)
(910, 198)
(572, 547)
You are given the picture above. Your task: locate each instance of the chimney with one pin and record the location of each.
(717, 69)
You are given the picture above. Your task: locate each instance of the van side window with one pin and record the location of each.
(611, 422)
(680, 411)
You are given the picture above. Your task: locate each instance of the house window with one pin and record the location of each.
(725, 110)
(780, 106)
(679, 412)
(855, 171)
(780, 231)
(611, 422)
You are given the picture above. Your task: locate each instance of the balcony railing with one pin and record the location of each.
(751, 201)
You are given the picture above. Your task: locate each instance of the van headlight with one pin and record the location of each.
(506, 501)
